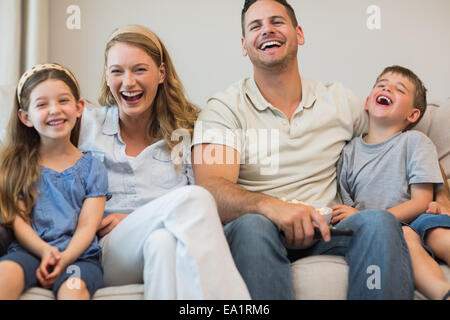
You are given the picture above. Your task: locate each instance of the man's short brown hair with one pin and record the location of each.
(249, 3)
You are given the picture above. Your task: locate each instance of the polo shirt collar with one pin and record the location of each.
(260, 103)
(111, 124)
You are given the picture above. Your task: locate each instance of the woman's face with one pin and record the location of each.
(133, 78)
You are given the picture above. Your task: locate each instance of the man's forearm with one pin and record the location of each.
(233, 200)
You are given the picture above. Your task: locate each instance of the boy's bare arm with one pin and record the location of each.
(421, 196)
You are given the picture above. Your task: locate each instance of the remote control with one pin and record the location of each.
(333, 232)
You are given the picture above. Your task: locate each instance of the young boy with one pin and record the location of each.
(397, 170)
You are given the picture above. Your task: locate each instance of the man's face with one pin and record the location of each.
(271, 41)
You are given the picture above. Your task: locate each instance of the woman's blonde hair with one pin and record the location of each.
(170, 110)
(19, 155)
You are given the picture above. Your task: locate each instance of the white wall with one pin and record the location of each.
(203, 38)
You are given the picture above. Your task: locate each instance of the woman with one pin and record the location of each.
(156, 229)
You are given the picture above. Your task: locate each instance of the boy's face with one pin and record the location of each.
(392, 101)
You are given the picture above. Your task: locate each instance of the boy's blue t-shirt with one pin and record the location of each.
(60, 199)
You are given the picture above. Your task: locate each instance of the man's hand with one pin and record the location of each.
(110, 222)
(340, 212)
(297, 221)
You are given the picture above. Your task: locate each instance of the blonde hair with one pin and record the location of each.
(19, 155)
(170, 110)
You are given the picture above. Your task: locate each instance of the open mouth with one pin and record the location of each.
(269, 45)
(384, 101)
(55, 123)
(132, 96)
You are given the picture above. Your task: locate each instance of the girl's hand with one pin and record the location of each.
(341, 212)
(109, 223)
(51, 258)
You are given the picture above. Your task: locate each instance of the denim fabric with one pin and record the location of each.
(6, 236)
(88, 270)
(61, 196)
(377, 255)
(427, 221)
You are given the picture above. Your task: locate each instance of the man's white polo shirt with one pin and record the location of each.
(292, 159)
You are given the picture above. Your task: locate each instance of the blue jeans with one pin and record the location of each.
(376, 249)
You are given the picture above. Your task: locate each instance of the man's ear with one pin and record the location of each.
(300, 36)
(24, 118)
(244, 49)
(414, 115)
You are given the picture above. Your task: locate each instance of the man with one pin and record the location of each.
(298, 127)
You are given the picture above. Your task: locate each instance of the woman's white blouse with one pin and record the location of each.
(131, 183)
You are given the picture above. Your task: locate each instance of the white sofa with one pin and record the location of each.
(318, 277)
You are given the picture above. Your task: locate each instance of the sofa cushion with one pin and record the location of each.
(435, 124)
(315, 278)
(128, 292)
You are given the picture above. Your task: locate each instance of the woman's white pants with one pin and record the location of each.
(175, 245)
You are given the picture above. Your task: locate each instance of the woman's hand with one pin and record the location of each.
(340, 212)
(109, 223)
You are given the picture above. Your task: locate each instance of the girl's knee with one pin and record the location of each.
(73, 289)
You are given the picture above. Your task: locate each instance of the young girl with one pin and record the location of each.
(51, 195)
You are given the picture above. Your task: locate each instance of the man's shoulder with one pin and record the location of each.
(231, 95)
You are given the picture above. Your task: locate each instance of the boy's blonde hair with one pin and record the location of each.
(420, 92)
(20, 170)
(170, 110)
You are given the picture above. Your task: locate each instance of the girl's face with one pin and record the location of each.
(133, 78)
(53, 111)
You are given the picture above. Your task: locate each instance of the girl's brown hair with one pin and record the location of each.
(170, 110)
(19, 155)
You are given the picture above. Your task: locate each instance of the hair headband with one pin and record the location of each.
(38, 68)
(139, 30)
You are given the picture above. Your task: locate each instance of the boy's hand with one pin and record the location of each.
(438, 208)
(341, 212)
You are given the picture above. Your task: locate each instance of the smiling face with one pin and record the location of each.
(133, 79)
(271, 40)
(52, 111)
(391, 101)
